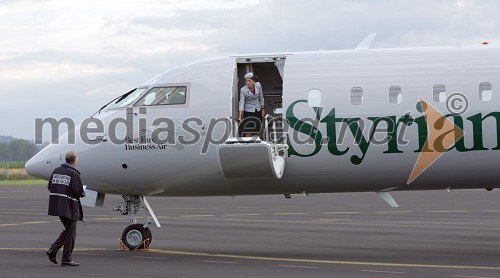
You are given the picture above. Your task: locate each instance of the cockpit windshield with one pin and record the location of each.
(127, 99)
(170, 95)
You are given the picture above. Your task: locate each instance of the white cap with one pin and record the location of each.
(249, 75)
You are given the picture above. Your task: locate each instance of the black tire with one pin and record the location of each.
(134, 237)
(149, 235)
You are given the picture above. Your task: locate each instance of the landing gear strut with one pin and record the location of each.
(136, 236)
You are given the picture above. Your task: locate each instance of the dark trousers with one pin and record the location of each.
(252, 122)
(66, 238)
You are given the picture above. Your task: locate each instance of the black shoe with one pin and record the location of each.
(52, 256)
(70, 263)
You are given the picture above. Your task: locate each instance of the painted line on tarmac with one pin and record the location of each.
(341, 212)
(321, 221)
(31, 249)
(20, 209)
(334, 219)
(28, 223)
(195, 216)
(295, 260)
(382, 271)
(219, 262)
(297, 266)
(257, 220)
(276, 259)
(104, 219)
(177, 208)
(447, 211)
(23, 213)
(87, 254)
(462, 276)
(244, 214)
(491, 210)
(393, 211)
(152, 258)
(24, 197)
(52, 221)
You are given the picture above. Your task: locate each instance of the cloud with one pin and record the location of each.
(56, 71)
(88, 52)
(108, 90)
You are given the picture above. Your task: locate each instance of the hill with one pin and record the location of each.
(6, 139)
(12, 149)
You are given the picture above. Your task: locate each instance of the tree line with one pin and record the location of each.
(17, 150)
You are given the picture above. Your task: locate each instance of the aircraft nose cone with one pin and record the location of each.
(40, 165)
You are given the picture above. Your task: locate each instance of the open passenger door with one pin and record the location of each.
(261, 157)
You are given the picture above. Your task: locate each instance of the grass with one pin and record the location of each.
(23, 182)
(15, 174)
(12, 165)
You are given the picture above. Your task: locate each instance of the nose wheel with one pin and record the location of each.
(135, 237)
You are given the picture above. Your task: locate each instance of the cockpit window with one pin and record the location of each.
(164, 96)
(128, 99)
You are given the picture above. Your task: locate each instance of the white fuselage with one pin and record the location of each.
(329, 158)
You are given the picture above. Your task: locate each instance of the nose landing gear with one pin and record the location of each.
(136, 236)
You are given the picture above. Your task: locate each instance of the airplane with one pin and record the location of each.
(359, 120)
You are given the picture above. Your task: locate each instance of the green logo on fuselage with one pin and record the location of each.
(392, 127)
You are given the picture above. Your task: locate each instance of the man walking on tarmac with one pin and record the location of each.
(66, 189)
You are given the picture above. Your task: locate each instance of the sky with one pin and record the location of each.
(61, 58)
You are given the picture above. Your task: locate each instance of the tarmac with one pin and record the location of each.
(431, 234)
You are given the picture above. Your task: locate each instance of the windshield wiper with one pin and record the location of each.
(116, 100)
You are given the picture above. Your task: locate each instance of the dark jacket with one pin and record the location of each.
(66, 189)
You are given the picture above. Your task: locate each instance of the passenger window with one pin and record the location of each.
(356, 96)
(395, 94)
(485, 91)
(314, 98)
(164, 96)
(439, 93)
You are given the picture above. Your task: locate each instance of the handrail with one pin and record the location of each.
(266, 127)
(266, 134)
(234, 128)
(276, 147)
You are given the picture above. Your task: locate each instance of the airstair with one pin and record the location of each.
(254, 157)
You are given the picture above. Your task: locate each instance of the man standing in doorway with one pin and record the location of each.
(66, 189)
